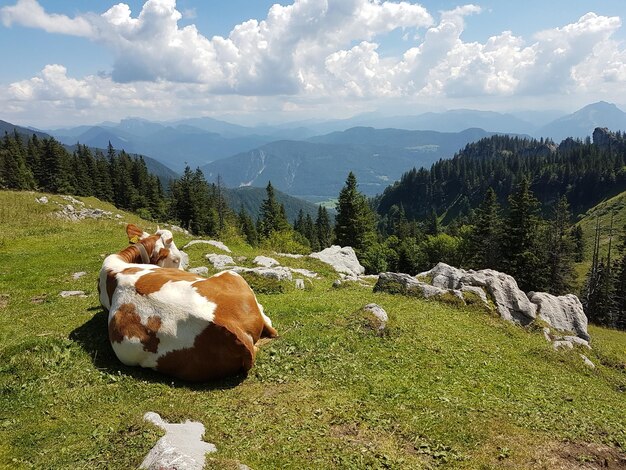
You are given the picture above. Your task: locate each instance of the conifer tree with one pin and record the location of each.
(247, 227)
(272, 217)
(323, 229)
(521, 252)
(485, 239)
(560, 250)
(579, 243)
(355, 224)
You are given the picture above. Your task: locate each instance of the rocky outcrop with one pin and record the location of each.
(280, 273)
(563, 312)
(510, 301)
(343, 260)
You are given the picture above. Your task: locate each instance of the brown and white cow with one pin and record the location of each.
(175, 322)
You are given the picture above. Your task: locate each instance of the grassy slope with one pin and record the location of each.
(448, 387)
(615, 206)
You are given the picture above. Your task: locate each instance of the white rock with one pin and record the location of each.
(378, 312)
(391, 282)
(78, 275)
(576, 340)
(343, 260)
(280, 273)
(219, 261)
(265, 261)
(478, 291)
(563, 312)
(304, 272)
(201, 270)
(42, 200)
(181, 448)
(546, 334)
(559, 344)
(511, 302)
(72, 293)
(73, 200)
(299, 283)
(587, 361)
(184, 260)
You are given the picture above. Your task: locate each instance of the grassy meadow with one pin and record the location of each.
(447, 387)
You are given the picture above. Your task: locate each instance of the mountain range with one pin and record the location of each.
(312, 158)
(316, 169)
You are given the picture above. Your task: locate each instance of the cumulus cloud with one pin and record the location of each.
(29, 13)
(318, 50)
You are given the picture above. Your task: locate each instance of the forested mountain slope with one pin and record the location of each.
(584, 171)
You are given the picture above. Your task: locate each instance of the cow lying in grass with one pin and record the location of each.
(175, 322)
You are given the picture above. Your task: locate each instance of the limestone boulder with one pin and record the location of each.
(510, 301)
(563, 312)
(342, 259)
(220, 261)
(399, 283)
(265, 261)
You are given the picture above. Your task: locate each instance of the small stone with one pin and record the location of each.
(546, 334)
(118, 216)
(337, 283)
(304, 272)
(576, 340)
(72, 293)
(42, 200)
(559, 344)
(265, 261)
(299, 283)
(588, 362)
(290, 255)
(4, 300)
(78, 275)
(380, 318)
(39, 299)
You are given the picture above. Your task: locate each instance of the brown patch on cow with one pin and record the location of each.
(217, 352)
(111, 284)
(126, 323)
(236, 305)
(131, 254)
(578, 456)
(153, 281)
(132, 270)
(161, 255)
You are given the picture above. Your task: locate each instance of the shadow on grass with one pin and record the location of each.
(92, 337)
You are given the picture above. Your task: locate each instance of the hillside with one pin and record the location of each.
(317, 169)
(614, 208)
(586, 172)
(448, 387)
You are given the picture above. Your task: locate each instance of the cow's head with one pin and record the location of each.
(158, 249)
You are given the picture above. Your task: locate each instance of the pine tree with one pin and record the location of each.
(560, 250)
(272, 217)
(355, 224)
(323, 229)
(485, 239)
(579, 243)
(522, 251)
(247, 228)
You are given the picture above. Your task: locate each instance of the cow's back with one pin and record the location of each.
(185, 325)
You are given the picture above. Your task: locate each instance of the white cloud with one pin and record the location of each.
(315, 51)
(30, 13)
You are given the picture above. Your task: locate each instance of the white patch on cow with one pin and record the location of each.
(266, 319)
(184, 314)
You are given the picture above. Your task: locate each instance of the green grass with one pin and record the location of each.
(448, 387)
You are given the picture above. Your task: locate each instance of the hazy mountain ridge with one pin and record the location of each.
(316, 169)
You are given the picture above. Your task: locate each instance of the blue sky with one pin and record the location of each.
(84, 62)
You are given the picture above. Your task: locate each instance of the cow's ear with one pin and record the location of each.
(135, 233)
